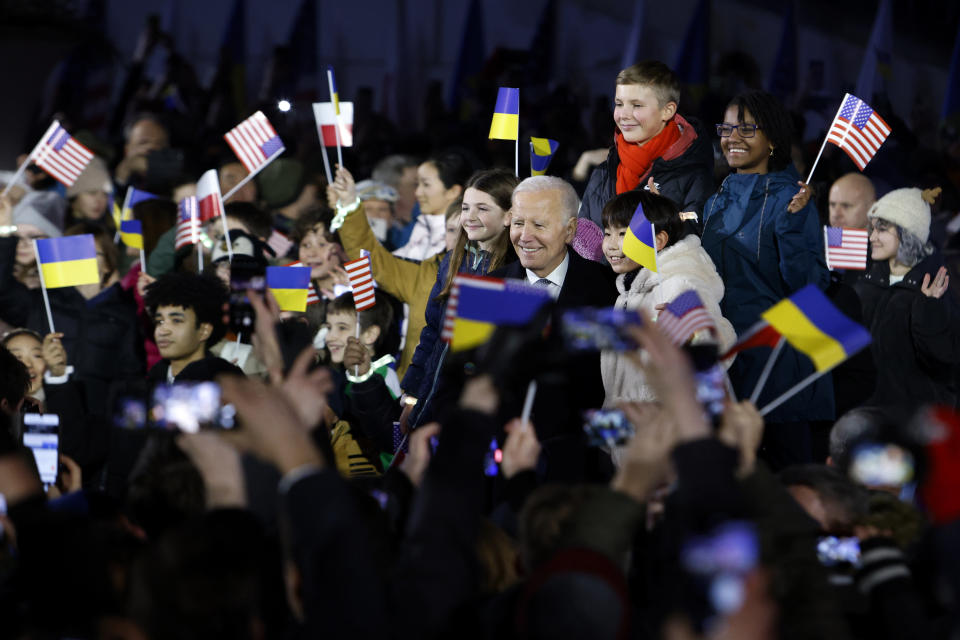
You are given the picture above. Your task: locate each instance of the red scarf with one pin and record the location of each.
(635, 161)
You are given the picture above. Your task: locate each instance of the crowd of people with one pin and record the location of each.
(349, 474)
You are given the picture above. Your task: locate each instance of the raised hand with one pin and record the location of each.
(344, 187)
(742, 429)
(800, 200)
(939, 285)
(415, 463)
(219, 465)
(54, 355)
(521, 450)
(356, 357)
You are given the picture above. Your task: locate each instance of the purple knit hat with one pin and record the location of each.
(588, 241)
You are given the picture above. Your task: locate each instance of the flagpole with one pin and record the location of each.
(143, 258)
(43, 286)
(199, 256)
(336, 109)
(123, 212)
(767, 368)
(823, 146)
(792, 391)
(226, 236)
(326, 162)
(826, 246)
(528, 405)
(516, 156)
(356, 367)
(251, 176)
(26, 162)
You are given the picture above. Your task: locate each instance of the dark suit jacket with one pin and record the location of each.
(561, 399)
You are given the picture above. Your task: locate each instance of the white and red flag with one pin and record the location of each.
(325, 114)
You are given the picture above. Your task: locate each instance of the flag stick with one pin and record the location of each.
(43, 287)
(528, 405)
(123, 212)
(199, 257)
(516, 156)
(26, 162)
(356, 367)
(729, 385)
(767, 368)
(326, 162)
(250, 176)
(822, 146)
(143, 259)
(226, 237)
(336, 109)
(792, 391)
(826, 246)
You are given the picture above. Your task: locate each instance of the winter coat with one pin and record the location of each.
(916, 338)
(428, 238)
(680, 267)
(764, 253)
(684, 174)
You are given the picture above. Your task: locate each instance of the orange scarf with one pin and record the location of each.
(635, 161)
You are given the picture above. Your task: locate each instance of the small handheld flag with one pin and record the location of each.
(846, 248)
(858, 130)
(361, 282)
(639, 242)
(255, 142)
(131, 232)
(541, 153)
(209, 202)
(326, 118)
(290, 286)
(483, 304)
(683, 317)
(60, 155)
(312, 297)
(506, 115)
(334, 94)
(68, 261)
(188, 223)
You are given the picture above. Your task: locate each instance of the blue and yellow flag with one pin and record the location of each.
(334, 94)
(506, 115)
(289, 286)
(480, 305)
(812, 325)
(132, 197)
(639, 243)
(68, 261)
(541, 153)
(131, 232)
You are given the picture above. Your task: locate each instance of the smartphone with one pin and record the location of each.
(881, 465)
(243, 276)
(710, 377)
(606, 427)
(130, 412)
(833, 551)
(41, 433)
(599, 329)
(189, 407)
(492, 459)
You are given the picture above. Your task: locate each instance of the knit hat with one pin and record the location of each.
(373, 190)
(44, 210)
(281, 182)
(588, 242)
(95, 177)
(909, 209)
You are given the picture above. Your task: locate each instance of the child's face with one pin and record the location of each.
(318, 253)
(29, 351)
(481, 218)
(638, 113)
(342, 326)
(613, 250)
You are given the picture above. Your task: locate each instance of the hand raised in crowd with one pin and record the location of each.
(356, 357)
(54, 355)
(652, 187)
(307, 390)
(344, 187)
(521, 450)
(938, 286)
(417, 460)
(69, 478)
(800, 200)
(742, 429)
(144, 280)
(587, 161)
(6, 211)
(646, 459)
(479, 394)
(266, 345)
(219, 465)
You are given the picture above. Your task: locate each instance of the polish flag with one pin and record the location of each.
(209, 201)
(326, 117)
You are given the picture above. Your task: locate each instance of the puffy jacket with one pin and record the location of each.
(684, 174)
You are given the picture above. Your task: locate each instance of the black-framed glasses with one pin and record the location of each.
(747, 130)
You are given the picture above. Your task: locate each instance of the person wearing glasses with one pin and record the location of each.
(764, 237)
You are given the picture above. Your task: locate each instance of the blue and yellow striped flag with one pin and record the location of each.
(68, 261)
(334, 94)
(131, 232)
(541, 153)
(478, 305)
(639, 243)
(506, 115)
(289, 286)
(812, 325)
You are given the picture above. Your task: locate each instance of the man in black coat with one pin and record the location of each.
(543, 224)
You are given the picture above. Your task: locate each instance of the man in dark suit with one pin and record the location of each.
(543, 224)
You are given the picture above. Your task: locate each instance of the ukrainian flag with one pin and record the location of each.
(506, 115)
(639, 243)
(133, 197)
(289, 286)
(483, 304)
(541, 153)
(131, 232)
(68, 261)
(811, 324)
(334, 94)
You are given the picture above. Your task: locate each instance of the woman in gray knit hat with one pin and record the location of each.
(916, 339)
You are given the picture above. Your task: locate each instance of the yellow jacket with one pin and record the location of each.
(408, 281)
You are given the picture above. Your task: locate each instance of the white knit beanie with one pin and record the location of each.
(909, 209)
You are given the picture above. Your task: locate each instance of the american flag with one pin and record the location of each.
(450, 315)
(846, 247)
(361, 281)
(280, 243)
(312, 297)
(255, 142)
(60, 155)
(188, 223)
(683, 317)
(858, 130)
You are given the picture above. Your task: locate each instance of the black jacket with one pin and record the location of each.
(916, 340)
(687, 178)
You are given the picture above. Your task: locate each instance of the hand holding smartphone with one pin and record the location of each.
(41, 433)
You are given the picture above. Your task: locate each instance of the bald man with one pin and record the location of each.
(851, 197)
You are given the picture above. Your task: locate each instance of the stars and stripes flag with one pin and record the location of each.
(361, 282)
(846, 247)
(312, 297)
(683, 317)
(858, 130)
(255, 142)
(188, 223)
(60, 155)
(450, 315)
